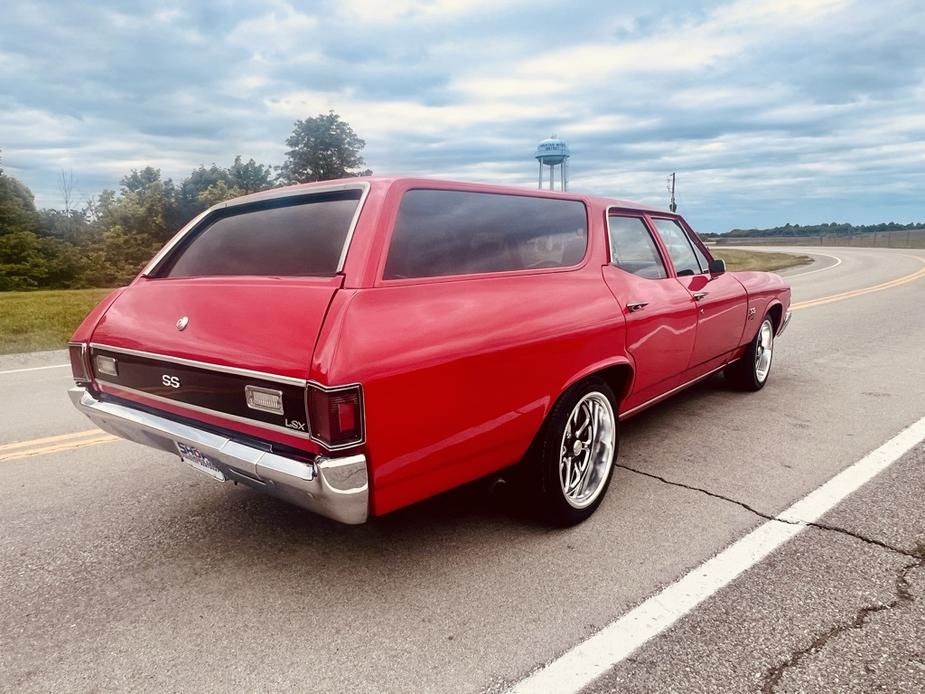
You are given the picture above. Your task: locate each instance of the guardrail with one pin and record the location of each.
(914, 238)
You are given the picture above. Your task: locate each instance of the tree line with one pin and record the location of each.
(107, 239)
(835, 228)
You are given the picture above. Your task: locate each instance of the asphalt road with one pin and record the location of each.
(123, 570)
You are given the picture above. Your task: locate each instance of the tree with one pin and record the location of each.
(146, 205)
(321, 149)
(206, 186)
(28, 261)
(249, 177)
(17, 206)
(218, 192)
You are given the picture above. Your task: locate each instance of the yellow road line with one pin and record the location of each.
(860, 292)
(49, 439)
(58, 447)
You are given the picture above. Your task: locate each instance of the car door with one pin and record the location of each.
(721, 299)
(661, 317)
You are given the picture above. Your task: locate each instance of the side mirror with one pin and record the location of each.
(717, 266)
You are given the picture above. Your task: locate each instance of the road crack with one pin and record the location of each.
(902, 587)
(770, 517)
(773, 676)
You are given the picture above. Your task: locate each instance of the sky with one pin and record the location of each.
(770, 111)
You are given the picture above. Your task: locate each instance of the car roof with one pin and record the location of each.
(420, 182)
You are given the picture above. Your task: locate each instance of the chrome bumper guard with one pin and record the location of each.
(783, 326)
(337, 488)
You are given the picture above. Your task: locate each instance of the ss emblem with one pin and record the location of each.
(170, 381)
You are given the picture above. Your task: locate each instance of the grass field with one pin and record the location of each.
(737, 259)
(31, 321)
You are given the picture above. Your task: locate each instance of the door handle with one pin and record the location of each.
(637, 306)
(699, 295)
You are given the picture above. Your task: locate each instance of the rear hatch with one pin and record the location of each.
(227, 321)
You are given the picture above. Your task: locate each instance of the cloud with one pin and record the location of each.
(769, 110)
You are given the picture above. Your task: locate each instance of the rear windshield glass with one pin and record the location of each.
(282, 238)
(445, 232)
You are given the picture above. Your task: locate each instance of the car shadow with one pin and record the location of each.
(262, 531)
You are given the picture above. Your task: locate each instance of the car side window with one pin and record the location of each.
(701, 256)
(449, 232)
(679, 247)
(633, 249)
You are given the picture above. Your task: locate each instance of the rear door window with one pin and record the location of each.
(679, 247)
(633, 249)
(447, 232)
(289, 237)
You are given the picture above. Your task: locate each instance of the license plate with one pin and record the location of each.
(195, 458)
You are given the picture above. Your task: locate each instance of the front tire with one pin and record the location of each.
(752, 370)
(573, 459)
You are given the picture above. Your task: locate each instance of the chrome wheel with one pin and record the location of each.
(764, 350)
(587, 450)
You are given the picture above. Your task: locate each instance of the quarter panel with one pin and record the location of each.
(763, 289)
(458, 376)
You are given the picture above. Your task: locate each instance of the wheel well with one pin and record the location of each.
(777, 313)
(619, 377)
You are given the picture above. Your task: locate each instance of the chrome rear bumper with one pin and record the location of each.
(784, 324)
(334, 487)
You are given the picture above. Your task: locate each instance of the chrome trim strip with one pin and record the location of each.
(659, 398)
(637, 214)
(353, 225)
(240, 372)
(334, 389)
(337, 488)
(204, 365)
(85, 359)
(184, 230)
(206, 410)
(364, 186)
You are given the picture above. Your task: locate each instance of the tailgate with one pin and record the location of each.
(240, 334)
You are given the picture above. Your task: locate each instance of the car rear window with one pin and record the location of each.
(287, 237)
(446, 232)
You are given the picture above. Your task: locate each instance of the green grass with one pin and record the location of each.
(31, 321)
(737, 259)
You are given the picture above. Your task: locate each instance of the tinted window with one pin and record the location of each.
(679, 247)
(278, 238)
(633, 249)
(445, 232)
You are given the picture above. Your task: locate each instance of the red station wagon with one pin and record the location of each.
(356, 346)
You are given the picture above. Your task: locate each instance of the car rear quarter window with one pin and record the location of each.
(299, 236)
(445, 232)
(633, 249)
(679, 247)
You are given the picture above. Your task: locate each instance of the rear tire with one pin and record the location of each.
(571, 462)
(752, 370)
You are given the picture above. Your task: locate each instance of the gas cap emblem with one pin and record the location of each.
(182, 322)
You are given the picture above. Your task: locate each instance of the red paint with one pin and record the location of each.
(457, 372)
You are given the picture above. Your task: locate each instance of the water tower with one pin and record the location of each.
(553, 153)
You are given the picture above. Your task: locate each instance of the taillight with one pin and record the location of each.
(336, 416)
(77, 356)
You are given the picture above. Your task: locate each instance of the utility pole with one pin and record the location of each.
(673, 206)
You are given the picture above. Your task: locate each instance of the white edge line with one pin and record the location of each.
(592, 658)
(821, 269)
(33, 368)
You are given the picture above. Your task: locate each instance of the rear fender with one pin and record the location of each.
(85, 330)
